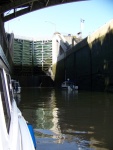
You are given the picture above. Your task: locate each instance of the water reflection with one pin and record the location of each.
(69, 120)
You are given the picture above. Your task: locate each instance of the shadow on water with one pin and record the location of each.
(69, 120)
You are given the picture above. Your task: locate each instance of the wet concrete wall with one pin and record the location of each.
(90, 62)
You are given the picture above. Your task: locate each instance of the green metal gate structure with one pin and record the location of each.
(32, 57)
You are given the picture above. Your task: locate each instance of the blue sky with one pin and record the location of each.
(63, 18)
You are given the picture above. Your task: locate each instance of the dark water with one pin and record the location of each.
(65, 120)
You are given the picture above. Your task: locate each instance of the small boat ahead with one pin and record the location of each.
(69, 85)
(16, 86)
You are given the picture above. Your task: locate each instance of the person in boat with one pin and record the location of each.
(16, 87)
(13, 85)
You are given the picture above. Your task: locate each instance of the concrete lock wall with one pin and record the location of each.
(90, 62)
